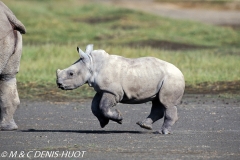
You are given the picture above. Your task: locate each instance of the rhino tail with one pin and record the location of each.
(16, 24)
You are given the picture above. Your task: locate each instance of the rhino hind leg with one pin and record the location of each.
(157, 112)
(9, 101)
(97, 112)
(107, 102)
(170, 96)
(169, 119)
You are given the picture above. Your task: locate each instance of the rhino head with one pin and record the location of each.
(78, 73)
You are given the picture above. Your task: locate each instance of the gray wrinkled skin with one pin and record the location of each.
(10, 55)
(122, 80)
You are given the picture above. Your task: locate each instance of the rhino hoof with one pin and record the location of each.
(119, 115)
(103, 124)
(145, 126)
(165, 131)
(119, 122)
(9, 127)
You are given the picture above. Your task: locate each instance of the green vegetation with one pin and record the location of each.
(204, 53)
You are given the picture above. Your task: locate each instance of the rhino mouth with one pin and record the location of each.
(60, 85)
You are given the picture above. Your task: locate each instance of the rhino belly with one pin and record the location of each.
(126, 100)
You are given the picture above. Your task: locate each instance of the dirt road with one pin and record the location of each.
(208, 128)
(216, 17)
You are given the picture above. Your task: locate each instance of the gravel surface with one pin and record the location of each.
(208, 128)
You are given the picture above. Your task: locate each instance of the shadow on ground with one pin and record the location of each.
(86, 131)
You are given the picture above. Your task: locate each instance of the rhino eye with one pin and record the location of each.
(70, 73)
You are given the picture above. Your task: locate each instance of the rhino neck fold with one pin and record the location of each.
(89, 83)
(98, 58)
(90, 69)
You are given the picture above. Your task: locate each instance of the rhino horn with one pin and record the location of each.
(82, 54)
(89, 48)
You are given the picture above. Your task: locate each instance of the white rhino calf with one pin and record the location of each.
(122, 80)
(10, 55)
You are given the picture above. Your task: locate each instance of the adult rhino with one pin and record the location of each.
(122, 80)
(10, 54)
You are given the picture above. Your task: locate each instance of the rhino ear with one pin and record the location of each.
(82, 54)
(89, 48)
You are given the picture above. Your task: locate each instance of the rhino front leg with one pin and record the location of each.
(96, 110)
(157, 112)
(9, 101)
(108, 101)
